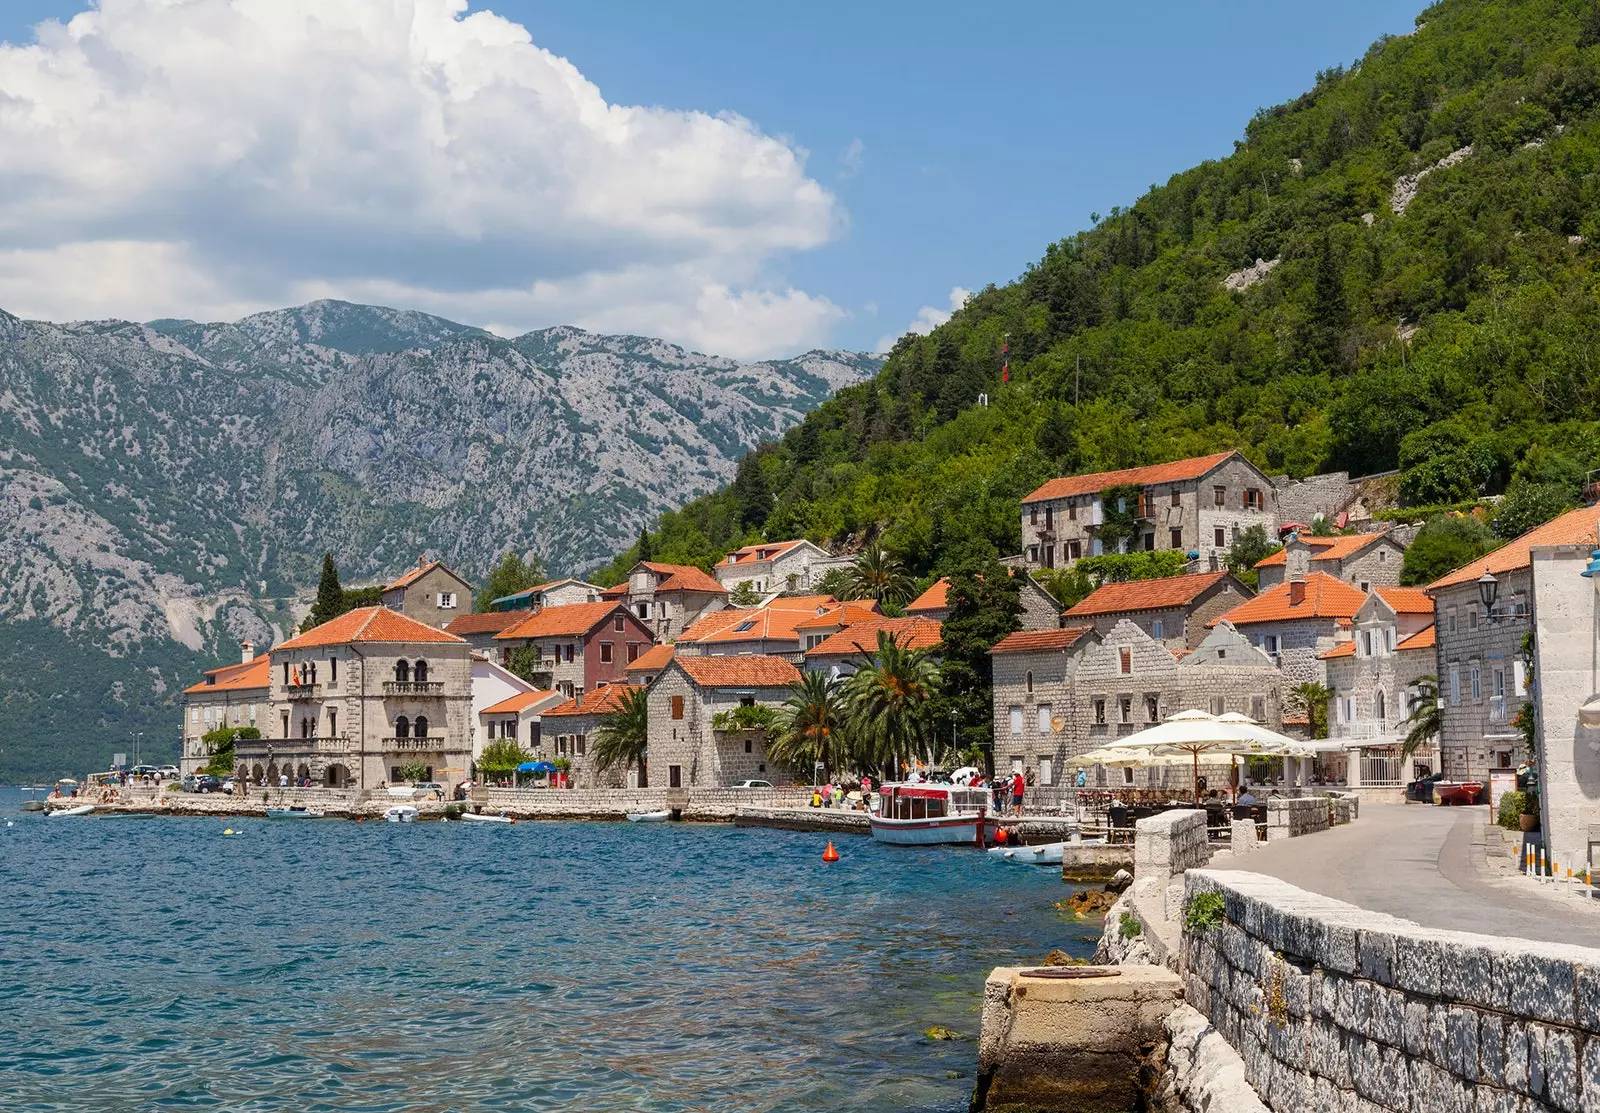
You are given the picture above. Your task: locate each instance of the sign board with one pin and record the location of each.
(1501, 781)
(119, 760)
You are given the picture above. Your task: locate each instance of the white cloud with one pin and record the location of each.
(928, 318)
(851, 158)
(206, 158)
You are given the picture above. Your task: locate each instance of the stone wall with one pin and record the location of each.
(1291, 817)
(1474, 730)
(1315, 496)
(1332, 1007)
(1566, 612)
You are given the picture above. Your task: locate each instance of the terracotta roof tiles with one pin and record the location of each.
(740, 671)
(1174, 472)
(714, 621)
(1033, 641)
(1407, 600)
(936, 598)
(572, 620)
(522, 700)
(601, 701)
(490, 622)
(1343, 649)
(1146, 595)
(255, 673)
(406, 579)
(369, 624)
(1426, 638)
(654, 659)
(860, 638)
(754, 554)
(1576, 527)
(1325, 597)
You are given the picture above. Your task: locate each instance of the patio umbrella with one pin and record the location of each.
(1195, 732)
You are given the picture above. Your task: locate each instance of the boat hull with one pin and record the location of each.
(1045, 854)
(294, 813)
(473, 817)
(961, 830)
(649, 817)
(68, 813)
(401, 815)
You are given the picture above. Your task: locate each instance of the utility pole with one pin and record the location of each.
(1077, 373)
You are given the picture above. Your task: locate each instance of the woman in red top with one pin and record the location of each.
(1018, 784)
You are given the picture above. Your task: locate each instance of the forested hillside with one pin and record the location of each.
(1428, 299)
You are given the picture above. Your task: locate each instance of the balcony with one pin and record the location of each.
(1362, 730)
(303, 691)
(285, 747)
(429, 743)
(413, 687)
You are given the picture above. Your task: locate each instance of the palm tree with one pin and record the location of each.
(812, 725)
(888, 701)
(1315, 696)
(878, 575)
(1422, 719)
(623, 735)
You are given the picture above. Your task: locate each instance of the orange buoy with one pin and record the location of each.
(830, 854)
(1001, 836)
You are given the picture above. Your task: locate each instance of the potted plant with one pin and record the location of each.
(1529, 817)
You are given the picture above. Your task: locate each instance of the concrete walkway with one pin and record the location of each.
(1426, 864)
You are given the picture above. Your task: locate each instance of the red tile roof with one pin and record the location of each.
(1174, 472)
(687, 578)
(1576, 527)
(1407, 600)
(739, 671)
(411, 577)
(654, 659)
(936, 598)
(1282, 555)
(766, 624)
(490, 622)
(513, 704)
(754, 554)
(369, 624)
(601, 701)
(1146, 595)
(615, 591)
(840, 616)
(1343, 649)
(861, 638)
(1032, 641)
(809, 603)
(255, 673)
(1325, 597)
(1426, 638)
(716, 620)
(570, 621)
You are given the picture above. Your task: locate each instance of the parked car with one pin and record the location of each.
(229, 786)
(1421, 790)
(753, 784)
(169, 772)
(426, 789)
(189, 780)
(144, 770)
(205, 782)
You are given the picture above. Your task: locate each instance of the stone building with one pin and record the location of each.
(1294, 623)
(480, 630)
(518, 717)
(773, 566)
(555, 593)
(231, 696)
(773, 629)
(569, 732)
(430, 593)
(579, 647)
(1038, 722)
(650, 664)
(360, 696)
(686, 748)
(1174, 610)
(1195, 506)
(1040, 609)
(1362, 559)
(668, 597)
(1482, 679)
(844, 651)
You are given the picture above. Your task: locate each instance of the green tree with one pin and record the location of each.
(889, 700)
(511, 573)
(330, 597)
(811, 726)
(1314, 697)
(646, 548)
(523, 661)
(1529, 503)
(878, 575)
(1442, 545)
(1423, 719)
(744, 594)
(502, 756)
(413, 771)
(219, 744)
(1330, 315)
(1250, 547)
(985, 605)
(623, 735)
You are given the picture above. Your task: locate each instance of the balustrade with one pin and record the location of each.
(413, 687)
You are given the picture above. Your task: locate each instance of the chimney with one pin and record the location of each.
(247, 652)
(422, 560)
(1297, 591)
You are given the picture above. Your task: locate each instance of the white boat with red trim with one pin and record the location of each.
(922, 814)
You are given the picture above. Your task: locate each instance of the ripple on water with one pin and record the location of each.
(546, 966)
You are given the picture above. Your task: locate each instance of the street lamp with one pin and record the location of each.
(1488, 588)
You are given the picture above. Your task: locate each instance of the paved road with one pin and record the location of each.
(1426, 864)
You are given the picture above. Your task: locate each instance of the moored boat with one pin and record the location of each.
(1045, 854)
(925, 814)
(474, 817)
(295, 813)
(649, 817)
(66, 813)
(401, 813)
(1457, 792)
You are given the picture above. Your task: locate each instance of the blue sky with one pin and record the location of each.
(955, 141)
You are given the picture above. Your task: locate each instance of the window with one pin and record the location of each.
(1149, 542)
(419, 672)
(1048, 552)
(1016, 765)
(252, 714)
(642, 610)
(745, 627)
(1366, 643)
(1127, 774)
(447, 600)
(1029, 681)
(617, 623)
(1049, 517)
(1072, 512)
(1477, 682)
(419, 728)
(633, 652)
(605, 653)
(677, 707)
(1499, 688)
(1016, 721)
(402, 672)
(1046, 770)
(1033, 515)
(1152, 709)
(1219, 496)
(1175, 499)
(674, 776)
(1033, 554)
(1382, 554)
(1365, 586)
(569, 648)
(1258, 708)
(1271, 644)
(1218, 706)
(1177, 538)
(333, 670)
(1252, 498)
(582, 741)
(1158, 629)
(1125, 709)
(1125, 656)
(561, 745)
(194, 716)
(1100, 712)
(747, 745)
(1219, 537)
(1043, 722)
(1075, 548)
(402, 727)
(1455, 684)
(1379, 706)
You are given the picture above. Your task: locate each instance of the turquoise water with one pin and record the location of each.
(155, 964)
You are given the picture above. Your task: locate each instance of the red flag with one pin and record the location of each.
(1005, 372)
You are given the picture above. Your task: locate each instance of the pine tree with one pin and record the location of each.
(645, 550)
(330, 596)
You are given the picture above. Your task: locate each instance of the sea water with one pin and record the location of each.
(305, 965)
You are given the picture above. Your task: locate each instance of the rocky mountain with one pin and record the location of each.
(168, 488)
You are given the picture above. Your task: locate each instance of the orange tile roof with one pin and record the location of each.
(716, 620)
(1407, 600)
(490, 622)
(518, 702)
(840, 616)
(767, 624)
(751, 554)
(1032, 641)
(1326, 597)
(1425, 638)
(369, 624)
(601, 701)
(255, 673)
(654, 659)
(688, 578)
(802, 603)
(1338, 547)
(1282, 555)
(1174, 472)
(411, 577)
(615, 591)
(1575, 527)
(739, 671)
(569, 621)
(1343, 649)
(1146, 595)
(936, 598)
(861, 638)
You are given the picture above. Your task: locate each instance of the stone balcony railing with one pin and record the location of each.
(413, 687)
(428, 742)
(303, 691)
(1362, 730)
(282, 747)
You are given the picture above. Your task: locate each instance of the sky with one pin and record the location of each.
(746, 179)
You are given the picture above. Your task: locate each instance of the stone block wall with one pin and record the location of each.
(1170, 843)
(1291, 817)
(1332, 1007)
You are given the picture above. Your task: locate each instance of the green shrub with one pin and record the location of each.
(1205, 912)
(1129, 927)
(1512, 805)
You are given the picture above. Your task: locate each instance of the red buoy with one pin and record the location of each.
(1001, 836)
(830, 854)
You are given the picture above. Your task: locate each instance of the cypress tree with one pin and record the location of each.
(330, 596)
(646, 550)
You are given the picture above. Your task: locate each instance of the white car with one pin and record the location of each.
(169, 772)
(229, 786)
(753, 784)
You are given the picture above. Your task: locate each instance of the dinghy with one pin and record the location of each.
(649, 817)
(66, 813)
(401, 813)
(473, 817)
(295, 813)
(1045, 854)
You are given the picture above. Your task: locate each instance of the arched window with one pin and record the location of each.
(1377, 706)
(1030, 680)
(402, 725)
(419, 672)
(402, 671)
(421, 728)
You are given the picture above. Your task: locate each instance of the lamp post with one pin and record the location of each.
(953, 754)
(1488, 588)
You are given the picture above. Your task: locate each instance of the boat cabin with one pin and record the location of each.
(929, 801)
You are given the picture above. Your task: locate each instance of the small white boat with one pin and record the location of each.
(649, 817)
(473, 817)
(66, 813)
(295, 813)
(1045, 854)
(401, 813)
(925, 814)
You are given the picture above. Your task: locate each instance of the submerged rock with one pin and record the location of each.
(1088, 902)
(940, 1032)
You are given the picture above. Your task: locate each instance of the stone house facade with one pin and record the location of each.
(668, 598)
(844, 651)
(1294, 623)
(1174, 610)
(1366, 560)
(1038, 720)
(772, 630)
(1195, 506)
(1482, 677)
(773, 566)
(517, 717)
(686, 751)
(579, 647)
(431, 593)
(569, 732)
(358, 697)
(231, 696)
(480, 630)
(1040, 609)
(555, 593)
(1374, 680)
